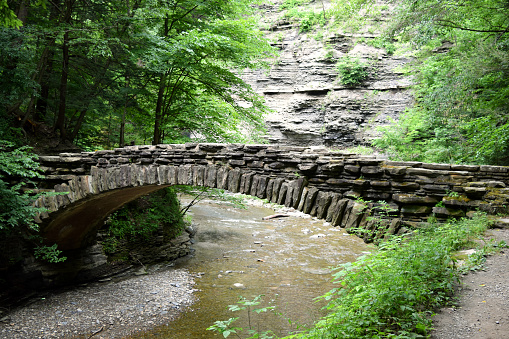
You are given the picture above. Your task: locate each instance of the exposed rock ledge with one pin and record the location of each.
(309, 105)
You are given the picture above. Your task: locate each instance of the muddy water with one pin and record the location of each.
(287, 260)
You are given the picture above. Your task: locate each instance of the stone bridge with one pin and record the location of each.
(339, 187)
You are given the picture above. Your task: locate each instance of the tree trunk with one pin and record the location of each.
(159, 112)
(79, 122)
(60, 123)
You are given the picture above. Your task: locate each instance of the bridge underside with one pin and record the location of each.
(76, 226)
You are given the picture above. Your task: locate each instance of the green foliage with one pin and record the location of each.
(363, 150)
(18, 213)
(353, 14)
(352, 71)
(392, 292)
(49, 253)
(289, 4)
(383, 42)
(17, 210)
(7, 17)
(308, 18)
(461, 111)
(226, 328)
(148, 72)
(141, 219)
(16, 73)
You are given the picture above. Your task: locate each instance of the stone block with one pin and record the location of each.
(307, 167)
(416, 210)
(405, 186)
(289, 195)
(356, 211)
(275, 190)
(494, 169)
(414, 199)
(459, 201)
(211, 147)
(427, 172)
(303, 196)
(234, 162)
(371, 170)
(489, 183)
(262, 187)
(222, 178)
(323, 203)
(403, 163)
(448, 212)
(393, 228)
(339, 211)
(354, 169)
(310, 200)
(211, 176)
(469, 168)
(256, 164)
(245, 182)
(333, 205)
(281, 198)
(475, 191)
(442, 189)
(234, 180)
(270, 187)
(276, 165)
(379, 184)
(185, 175)
(298, 185)
(254, 186)
(199, 175)
(435, 166)
(336, 167)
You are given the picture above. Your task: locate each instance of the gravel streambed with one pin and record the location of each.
(110, 309)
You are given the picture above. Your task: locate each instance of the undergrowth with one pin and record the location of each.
(393, 292)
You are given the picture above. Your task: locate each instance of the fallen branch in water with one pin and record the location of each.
(275, 216)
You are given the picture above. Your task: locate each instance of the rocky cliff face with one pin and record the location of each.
(310, 106)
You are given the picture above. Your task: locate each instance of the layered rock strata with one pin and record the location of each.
(309, 105)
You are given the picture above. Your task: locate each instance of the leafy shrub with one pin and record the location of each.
(385, 43)
(140, 219)
(352, 71)
(17, 213)
(225, 326)
(308, 19)
(393, 291)
(289, 4)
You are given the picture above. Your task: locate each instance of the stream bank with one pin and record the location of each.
(237, 254)
(108, 309)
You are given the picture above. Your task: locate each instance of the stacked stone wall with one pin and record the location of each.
(334, 186)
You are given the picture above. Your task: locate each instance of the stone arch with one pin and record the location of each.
(317, 181)
(83, 203)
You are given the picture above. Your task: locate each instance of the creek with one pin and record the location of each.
(287, 260)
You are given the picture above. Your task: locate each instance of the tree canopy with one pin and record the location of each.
(148, 70)
(462, 82)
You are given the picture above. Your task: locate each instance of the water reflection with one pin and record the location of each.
(288, 260)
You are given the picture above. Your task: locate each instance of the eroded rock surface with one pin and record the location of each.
(310, 106)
